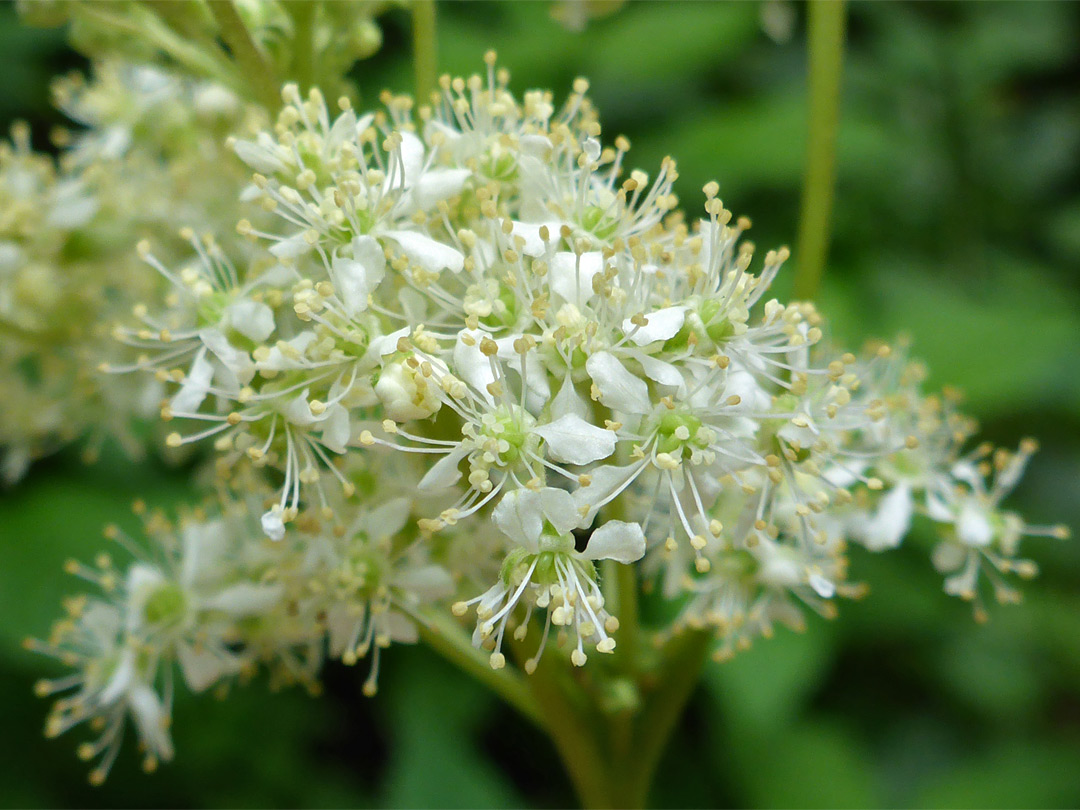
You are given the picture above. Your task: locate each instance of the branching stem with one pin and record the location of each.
(446, 637)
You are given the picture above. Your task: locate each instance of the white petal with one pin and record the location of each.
(291, 247)
(343, 129)
(616, 540)
(336, 430)
(471, 365)
(121, 679)
(445, 472)
(387, 344)
(401, 628)
(426, 582)
(200, 667)
(245, 599)
(430, 254)
(619, 389)
(272, 524)
(412, 156)
(948, 556)
(439, 184)
(571, 276)
(661, 372)
(572, 440)
(423, 250)
(387, 519)
(537, 386)
(277, 360)
(973, 526)
(151, 721)
(72, 206)
(559, 509)
(357, 277)
(260, 156)
(252, 319)
(520, 517)
(298, 411)
(238, 363)
(663, 324)
(204, 545)
(195, 386)
(822, 586)
(887, 527)
(530, 232)
(568, 400)
(938, 508)
(605, 481)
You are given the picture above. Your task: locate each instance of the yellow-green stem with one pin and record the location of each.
(304, 14)
(254, 66)
(446, 637)
(425, 52)
(825, 61)
(684, 657)
(572, 723)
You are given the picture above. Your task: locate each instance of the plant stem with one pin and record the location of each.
(443, 635)
(683, 661)
(255, 68)
(825, 65)
(425, 56)
(571, 721)
(144, 24)
(304, 13)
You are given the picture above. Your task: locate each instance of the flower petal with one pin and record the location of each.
(559, 509)
(572, 440)
(252, 319)
(432, 256)
(438, 184)
(571, 275)
(356, 278)
(520, 517)
(616, 540)
(195, 386)
(973, 526)
(444, 473)
(663, 324)
(619, 389)
(336, 429)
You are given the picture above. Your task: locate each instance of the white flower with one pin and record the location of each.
(545, 570)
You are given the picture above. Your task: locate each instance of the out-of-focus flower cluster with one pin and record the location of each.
(466, 358)
(147, 154)
(149, 151)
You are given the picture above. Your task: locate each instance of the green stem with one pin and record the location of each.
(144, 24)
(626, 608)
(425, 55)
(304, 14)
(683, 661)
(254, 66)
(571, 722)
(446, 637)
(825, 60)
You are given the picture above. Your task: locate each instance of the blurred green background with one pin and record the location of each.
(957, 222)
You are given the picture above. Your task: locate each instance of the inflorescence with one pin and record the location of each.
(463, 360)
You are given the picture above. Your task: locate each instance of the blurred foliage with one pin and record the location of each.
(957, 222)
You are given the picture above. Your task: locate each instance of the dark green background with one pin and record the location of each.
(957, 222)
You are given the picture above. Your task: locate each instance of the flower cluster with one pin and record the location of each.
(151, 149)
(475, 361)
